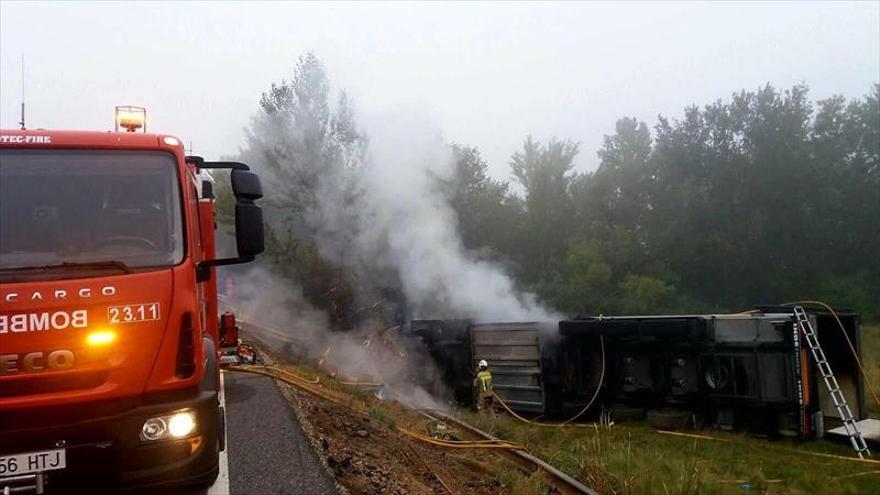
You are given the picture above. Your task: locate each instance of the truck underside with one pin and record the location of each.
(747, 372)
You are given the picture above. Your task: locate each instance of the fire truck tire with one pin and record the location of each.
(211, 380)
(669, 419)
(206, 481)
(623, 412)
(221, 428)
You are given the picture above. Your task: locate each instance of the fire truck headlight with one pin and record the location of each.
(182, 424)
(101, 338)
(154, 429)
(169, 427)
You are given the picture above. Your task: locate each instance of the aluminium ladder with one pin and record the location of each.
(849, 423)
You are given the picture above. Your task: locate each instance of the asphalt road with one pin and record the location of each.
(266, 450)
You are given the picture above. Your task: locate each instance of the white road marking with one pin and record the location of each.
(221, 486)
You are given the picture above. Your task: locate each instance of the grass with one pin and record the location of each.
(632, 459)
(381, 416)
(635, 459)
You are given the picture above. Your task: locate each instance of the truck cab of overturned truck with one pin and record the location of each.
(108, 308)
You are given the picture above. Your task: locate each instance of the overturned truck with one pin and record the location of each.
(748, 372)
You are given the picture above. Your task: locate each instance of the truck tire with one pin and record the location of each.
(622, 413)
(205, 482)
(669, 419)
(221, 428)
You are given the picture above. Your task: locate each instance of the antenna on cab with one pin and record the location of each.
(21, 123)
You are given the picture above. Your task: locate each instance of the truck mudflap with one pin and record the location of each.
(109, 452)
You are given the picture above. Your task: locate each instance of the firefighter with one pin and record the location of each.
(483, 384)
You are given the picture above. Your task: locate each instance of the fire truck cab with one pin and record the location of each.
(109, 322)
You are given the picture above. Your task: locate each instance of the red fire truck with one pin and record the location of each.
(109, 325)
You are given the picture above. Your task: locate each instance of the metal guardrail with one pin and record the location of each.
(562, 482)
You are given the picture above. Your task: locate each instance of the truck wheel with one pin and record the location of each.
(206, 481)
(221, 428)
(622, 412)
(669, 419)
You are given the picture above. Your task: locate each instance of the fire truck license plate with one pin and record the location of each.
(133, 312)
(32, 462)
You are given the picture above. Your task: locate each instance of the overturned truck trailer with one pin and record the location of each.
(749, 372)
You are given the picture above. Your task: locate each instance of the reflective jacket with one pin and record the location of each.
(484, 381)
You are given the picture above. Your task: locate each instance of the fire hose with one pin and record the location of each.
(852, 348)
(345, 400)
(576, 416)
(555, 478)
(869, 385)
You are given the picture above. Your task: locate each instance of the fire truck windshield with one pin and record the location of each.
(79, 213)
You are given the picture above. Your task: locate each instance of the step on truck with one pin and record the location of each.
(109, 321)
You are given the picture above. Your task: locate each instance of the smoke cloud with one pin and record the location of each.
(371, 202)
(407, 225)
(371, 353)
(369, 198)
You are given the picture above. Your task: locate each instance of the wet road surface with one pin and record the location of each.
(266, 450)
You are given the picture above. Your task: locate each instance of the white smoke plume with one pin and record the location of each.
(372, 203)
(281, 318)
(407, 225)
(369, 197)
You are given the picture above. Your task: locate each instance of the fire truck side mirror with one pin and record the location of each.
(248, 229)
(246, 188)
(248, 217)
(246, 185)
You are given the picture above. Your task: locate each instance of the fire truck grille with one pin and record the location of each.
(52, 384)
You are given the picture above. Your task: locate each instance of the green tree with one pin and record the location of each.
(586, 279)
(640, 294)
(308, 152)
(544, 172)
(762, 198)
(611, 204)
(488, 214)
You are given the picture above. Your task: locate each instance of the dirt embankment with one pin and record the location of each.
(360, 445)
(367, 455)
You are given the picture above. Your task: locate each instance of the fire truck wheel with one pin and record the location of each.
(669, 419)
(206, 481)
(221, 428)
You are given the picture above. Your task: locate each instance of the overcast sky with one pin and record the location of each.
(489, 73)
